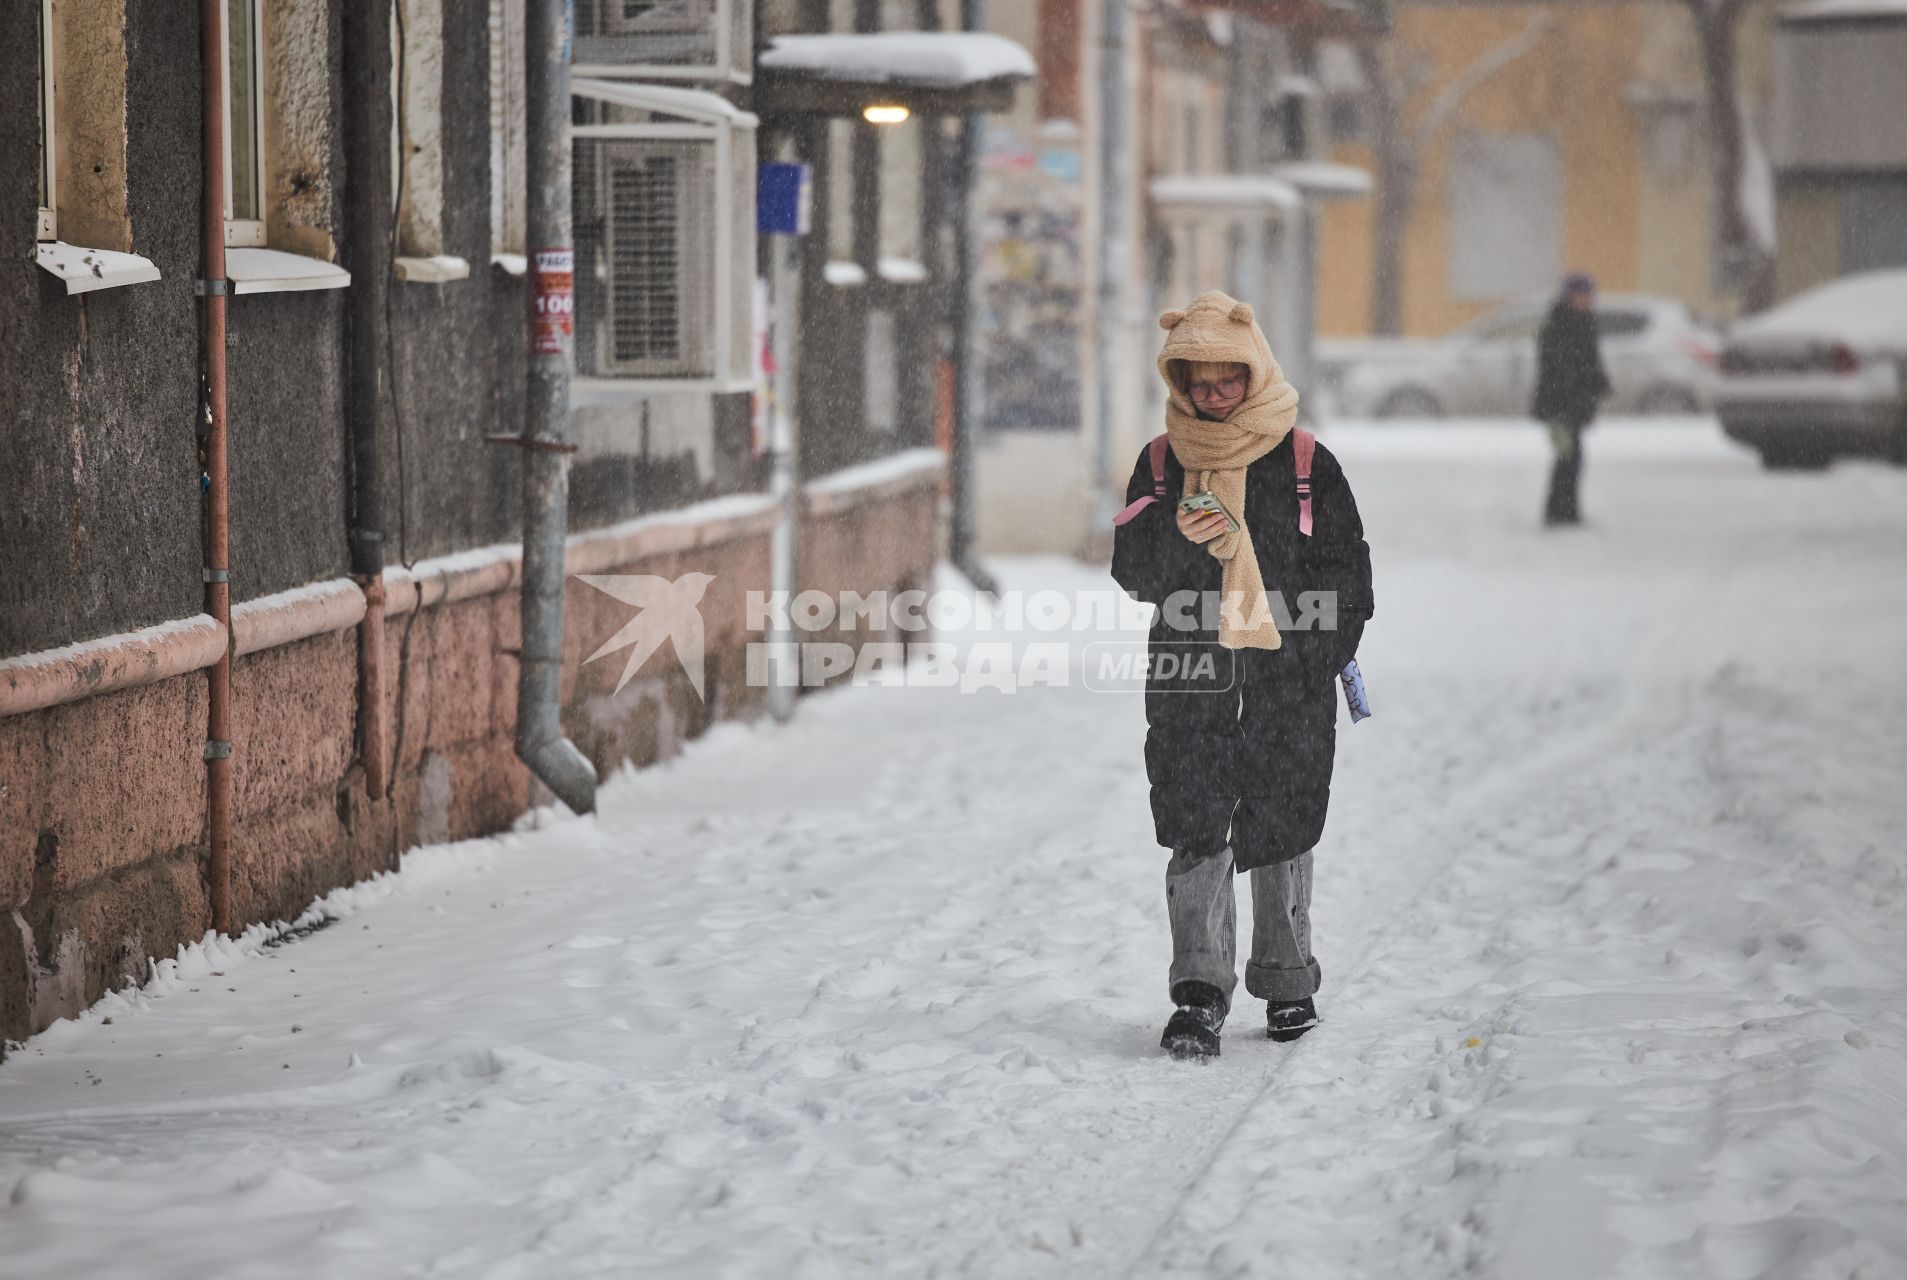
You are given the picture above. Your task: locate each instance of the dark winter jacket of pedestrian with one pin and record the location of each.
(1570, 378)
(1253, 750)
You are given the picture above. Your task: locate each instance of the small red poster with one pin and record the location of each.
(554, 301)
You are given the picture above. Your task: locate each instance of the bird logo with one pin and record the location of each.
(670, 610)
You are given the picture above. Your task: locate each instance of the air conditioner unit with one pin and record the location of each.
(664, 212)
(665, 39)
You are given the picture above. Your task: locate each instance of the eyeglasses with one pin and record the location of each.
(1224, 389)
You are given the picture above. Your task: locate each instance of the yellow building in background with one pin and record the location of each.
(1585, 149)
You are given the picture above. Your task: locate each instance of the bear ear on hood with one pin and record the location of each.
(1242, 313)
(1171, 319)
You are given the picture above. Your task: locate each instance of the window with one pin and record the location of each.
(83, 223)
(507, 123)
(417, 144)
(49, 163)
(244, 162)
(665, 39)
(1506, 215)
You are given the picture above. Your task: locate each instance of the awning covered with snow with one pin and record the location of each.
(929, 72)
(1824, 11)
(1323, 180)
(1224, 192)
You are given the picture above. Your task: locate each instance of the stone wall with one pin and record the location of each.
(102, 815)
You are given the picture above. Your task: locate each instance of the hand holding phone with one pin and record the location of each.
(1201, 504)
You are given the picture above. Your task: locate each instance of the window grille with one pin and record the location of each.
(664, 201)
(665, 39)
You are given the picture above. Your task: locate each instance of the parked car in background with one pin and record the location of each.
(1659, 358)
(1823, 375)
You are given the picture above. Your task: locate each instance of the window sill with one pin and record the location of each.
(83, 270)
(511, 264)
(437, 269)
(844, 275)
(274, 271)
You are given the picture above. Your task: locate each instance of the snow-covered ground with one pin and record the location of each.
(1612, 910)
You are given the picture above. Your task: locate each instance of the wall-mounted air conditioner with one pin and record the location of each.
(664, 209)
(665, 39)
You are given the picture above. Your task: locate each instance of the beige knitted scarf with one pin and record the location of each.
(1218, 327)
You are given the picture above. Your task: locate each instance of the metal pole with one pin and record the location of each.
(785, 252)
(1114, 177)
(540, 743)
(966, 370)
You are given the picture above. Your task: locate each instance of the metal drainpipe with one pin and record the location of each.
(540, 743)
(216, 575)
(367, 126)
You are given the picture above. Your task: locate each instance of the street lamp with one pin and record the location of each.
(885, 113)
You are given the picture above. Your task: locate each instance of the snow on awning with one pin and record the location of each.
(1234, 192)
(688, 104)
(1320, 179)
(1845, 11)
(929, 59)
(929, 72)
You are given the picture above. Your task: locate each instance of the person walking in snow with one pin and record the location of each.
(1570, 383)
(1239, 751)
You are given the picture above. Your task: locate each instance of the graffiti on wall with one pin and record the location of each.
(1031, 278)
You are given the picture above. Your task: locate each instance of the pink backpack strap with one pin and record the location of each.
(1303, 446)
(1156, 452)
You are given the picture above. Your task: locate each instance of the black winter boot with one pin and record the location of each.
(1192, 1031)
(1289, 1021)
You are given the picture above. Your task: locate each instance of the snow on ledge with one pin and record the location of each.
(1322, 178)
(275, 271)
(908, 464)
(940, 59)
(83, 270)
(438, 268)
(1844, 10)
(1225, 191)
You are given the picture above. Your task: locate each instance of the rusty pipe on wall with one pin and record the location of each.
(369, 57)
(214, 289)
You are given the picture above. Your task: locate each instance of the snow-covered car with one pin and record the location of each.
(1823, 375)
(1659, 359)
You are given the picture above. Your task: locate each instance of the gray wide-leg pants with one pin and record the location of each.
(1200, 899)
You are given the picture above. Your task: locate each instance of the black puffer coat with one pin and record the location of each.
(1251, 751)
(1570, 378)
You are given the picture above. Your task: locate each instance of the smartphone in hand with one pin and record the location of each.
(1206, 500)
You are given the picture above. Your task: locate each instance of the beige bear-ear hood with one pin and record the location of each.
(1218, 327)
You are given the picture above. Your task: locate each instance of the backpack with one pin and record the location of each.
(1303, 446)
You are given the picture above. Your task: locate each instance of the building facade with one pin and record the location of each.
(369, 143)
(1542, 138)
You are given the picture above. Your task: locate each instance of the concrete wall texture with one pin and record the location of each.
(102, 800)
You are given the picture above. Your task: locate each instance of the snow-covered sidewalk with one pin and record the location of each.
(1612, 910)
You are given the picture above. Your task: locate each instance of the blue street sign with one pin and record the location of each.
(784, 200)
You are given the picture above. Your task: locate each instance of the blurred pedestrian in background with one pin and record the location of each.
(1570, 383)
